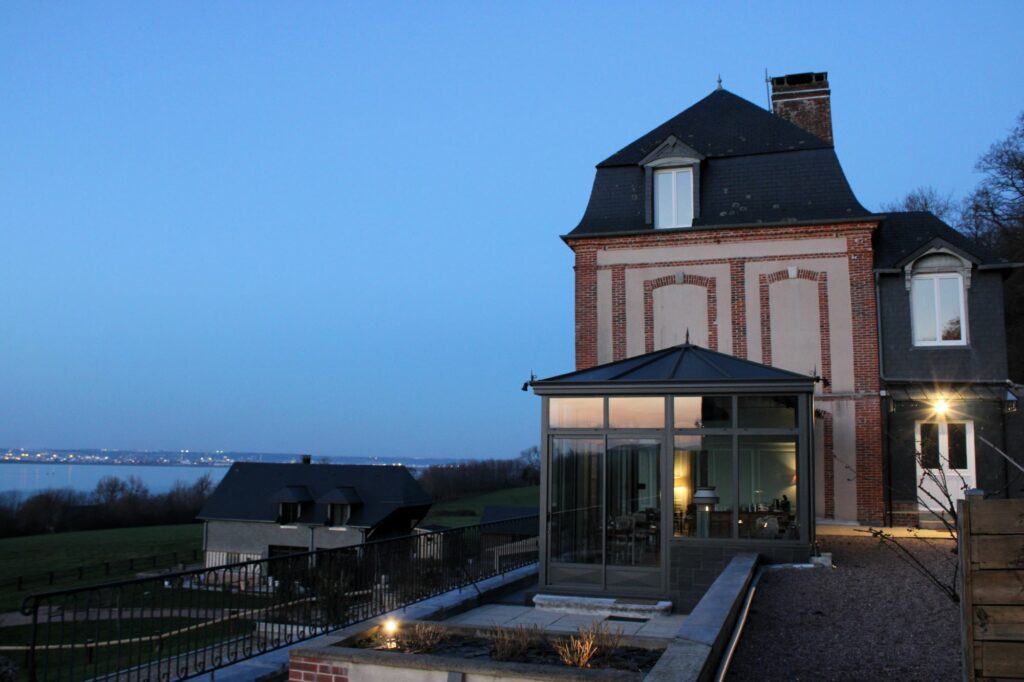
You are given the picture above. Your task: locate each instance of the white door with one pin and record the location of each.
(945, 462)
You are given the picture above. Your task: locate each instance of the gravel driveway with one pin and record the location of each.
(872, 617)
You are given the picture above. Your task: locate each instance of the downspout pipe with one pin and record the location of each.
(886, 454)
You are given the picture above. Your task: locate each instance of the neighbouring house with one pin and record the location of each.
(261, 511)
(756, 351)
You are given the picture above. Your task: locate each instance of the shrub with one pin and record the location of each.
(423, 638)
(578, 650)
(512, 643)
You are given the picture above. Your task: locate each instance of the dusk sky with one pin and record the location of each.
(334, 228)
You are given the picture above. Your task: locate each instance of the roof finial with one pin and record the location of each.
(719, 82)
(687, 336)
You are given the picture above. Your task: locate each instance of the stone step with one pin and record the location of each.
(602, 606)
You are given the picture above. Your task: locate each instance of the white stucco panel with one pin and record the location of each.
(635, 278)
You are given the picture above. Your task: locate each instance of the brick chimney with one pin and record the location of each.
(805, 100)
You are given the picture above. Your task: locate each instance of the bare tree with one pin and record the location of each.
(937, 491)
(945, 206)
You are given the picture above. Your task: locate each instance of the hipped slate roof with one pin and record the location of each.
(903, 235)
(248, 491)
(686, 363)
(758, 169)
(721, 124)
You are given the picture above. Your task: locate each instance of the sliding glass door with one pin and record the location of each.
(604, 511)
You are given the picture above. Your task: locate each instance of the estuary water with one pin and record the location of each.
(29, 478)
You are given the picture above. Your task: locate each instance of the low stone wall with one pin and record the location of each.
(698, 645)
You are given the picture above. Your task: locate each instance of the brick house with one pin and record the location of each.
(734, 229)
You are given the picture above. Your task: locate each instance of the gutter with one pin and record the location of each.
(871, 218)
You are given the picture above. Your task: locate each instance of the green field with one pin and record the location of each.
(466, 511)
(35, 554)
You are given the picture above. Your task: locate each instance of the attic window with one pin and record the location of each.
(937, 303)
(338, 514)
(673, 197)
(290, 513)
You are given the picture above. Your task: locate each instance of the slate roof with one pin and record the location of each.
(527, 521)
(686, 363)
(903, 235)
(247, 491)
(759, 169)
(722, 124)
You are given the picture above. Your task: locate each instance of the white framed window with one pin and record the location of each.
(673, 197)
(937, 310)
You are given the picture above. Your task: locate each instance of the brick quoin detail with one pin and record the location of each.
(870, 484)
(738, 307)
(823, 322)
(586, 306)
(310, 669)
(619, 312)
(712, 304)
(829, 465)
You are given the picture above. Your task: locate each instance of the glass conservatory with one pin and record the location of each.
(682, 447)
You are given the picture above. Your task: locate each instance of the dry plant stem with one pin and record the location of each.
(512, 643)
(424, 637)
(577, 651)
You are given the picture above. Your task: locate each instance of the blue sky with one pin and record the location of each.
(333, 228)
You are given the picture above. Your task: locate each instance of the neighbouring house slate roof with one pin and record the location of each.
(292, 493)
(341, 495)
(521, 520)
(247, 490)
(759, 169)
(685, 363)
(902, 235)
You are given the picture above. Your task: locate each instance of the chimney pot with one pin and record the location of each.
(804, 99)
(307, 459)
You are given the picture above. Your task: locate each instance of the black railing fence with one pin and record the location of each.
(183, 624)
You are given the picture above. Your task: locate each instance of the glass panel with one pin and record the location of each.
(767, 411)
(636, 413)
(702, 462)
(684, 198)
(957, 434)
(703, 412)
(634, 502)
(949, 308)
(767, 487)
(663, 199)
(576, 413)
(929, 446)
(574, 515)
(922, 296)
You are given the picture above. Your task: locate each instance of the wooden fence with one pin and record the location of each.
(992, 594)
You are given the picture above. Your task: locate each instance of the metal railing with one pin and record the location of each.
(179, 625)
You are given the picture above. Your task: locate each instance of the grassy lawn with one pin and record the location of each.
(466, 511)
(36, 554)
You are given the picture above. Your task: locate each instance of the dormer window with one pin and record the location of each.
(937, 302)
(338, 514)
(671, 179)
(673, 197)
(289, 513)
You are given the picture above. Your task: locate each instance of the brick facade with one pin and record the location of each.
(867, 455)
(309, 669)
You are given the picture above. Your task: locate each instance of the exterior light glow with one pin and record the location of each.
(941, 407)
(391, 626)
